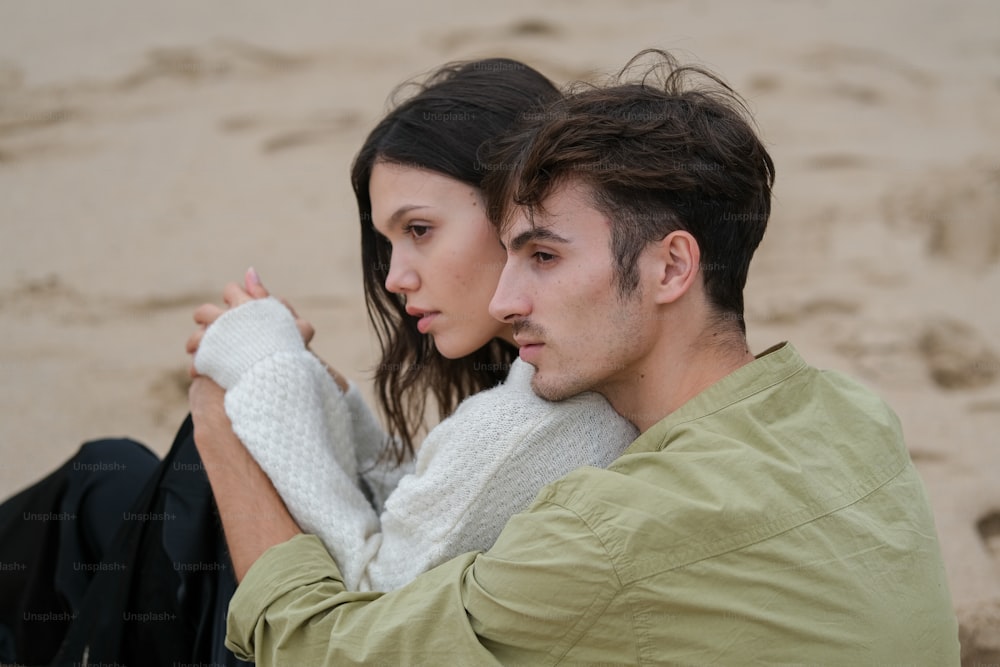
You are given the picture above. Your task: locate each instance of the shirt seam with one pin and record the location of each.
(771, 536)
(619, 587)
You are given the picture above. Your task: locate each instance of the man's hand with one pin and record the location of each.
(206, 400)
(253, 515)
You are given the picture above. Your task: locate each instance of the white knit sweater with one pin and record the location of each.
(473, 471)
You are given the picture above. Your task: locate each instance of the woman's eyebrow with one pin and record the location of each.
(400, 213)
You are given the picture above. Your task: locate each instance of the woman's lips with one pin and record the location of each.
(425, 321)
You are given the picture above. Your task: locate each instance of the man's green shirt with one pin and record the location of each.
(774, 519)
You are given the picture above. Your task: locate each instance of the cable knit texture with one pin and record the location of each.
(473, 471)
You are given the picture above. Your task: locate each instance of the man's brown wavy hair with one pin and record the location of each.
(673, 149)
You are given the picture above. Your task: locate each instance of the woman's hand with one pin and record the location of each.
(235, 295)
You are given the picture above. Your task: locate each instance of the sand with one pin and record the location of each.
(151, 151)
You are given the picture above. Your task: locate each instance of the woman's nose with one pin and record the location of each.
(402, 276)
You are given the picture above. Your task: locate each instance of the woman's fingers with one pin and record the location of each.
(234, 295)
(253, 285)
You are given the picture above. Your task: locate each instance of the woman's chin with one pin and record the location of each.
(450, 348)
(452, 351)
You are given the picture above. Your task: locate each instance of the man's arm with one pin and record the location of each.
(535, 598)
(254, 518)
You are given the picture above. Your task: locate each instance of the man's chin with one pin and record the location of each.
(551, 390)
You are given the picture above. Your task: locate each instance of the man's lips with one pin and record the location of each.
(528, 349)
(525, 341)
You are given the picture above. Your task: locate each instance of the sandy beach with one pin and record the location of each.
(150, 152)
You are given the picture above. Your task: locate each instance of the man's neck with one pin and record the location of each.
(674, 374)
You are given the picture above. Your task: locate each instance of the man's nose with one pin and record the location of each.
(510, 301)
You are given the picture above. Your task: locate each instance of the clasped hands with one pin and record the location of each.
(205, 397)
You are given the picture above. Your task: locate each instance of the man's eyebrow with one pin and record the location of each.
(533, 235)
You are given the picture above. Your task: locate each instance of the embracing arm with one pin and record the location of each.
(536, 598)
(253, 516)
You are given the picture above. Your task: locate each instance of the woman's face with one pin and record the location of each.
(446, 258)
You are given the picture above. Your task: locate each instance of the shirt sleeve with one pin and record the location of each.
(528, 600)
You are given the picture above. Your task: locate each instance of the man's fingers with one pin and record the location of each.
(194, 340)
(287, 305)
(307, 330)
(206, 313)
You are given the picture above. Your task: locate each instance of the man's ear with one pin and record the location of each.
(676, 260)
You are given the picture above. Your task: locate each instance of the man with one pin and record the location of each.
(768, 513)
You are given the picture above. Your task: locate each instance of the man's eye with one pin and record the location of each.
(543, 257)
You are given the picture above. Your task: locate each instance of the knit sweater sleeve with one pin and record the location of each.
(295, 422)
(380, 475)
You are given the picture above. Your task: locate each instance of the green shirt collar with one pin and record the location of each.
(769, 368)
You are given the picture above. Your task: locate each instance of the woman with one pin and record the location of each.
(433, 263)
(425, 231)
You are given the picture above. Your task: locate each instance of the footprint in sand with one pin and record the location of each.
(224, 59)
(827, 161)
(286, 134)
(949, 354)
(23, 123)
(958, 210)
(864, 75)
(957, 356)
(311, 132)
(978, 627)
(989, 531)
(513, 40)
(526, 27)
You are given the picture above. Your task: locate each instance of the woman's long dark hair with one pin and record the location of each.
(441, 127)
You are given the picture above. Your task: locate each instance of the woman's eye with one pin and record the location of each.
(416, 231)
